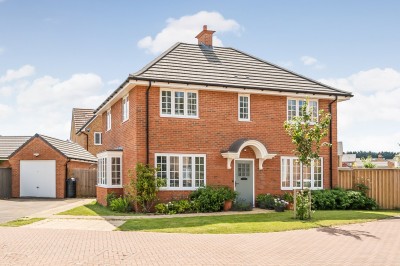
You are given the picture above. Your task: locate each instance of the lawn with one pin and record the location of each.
(21, 222)
(94, 209)
(252, 223)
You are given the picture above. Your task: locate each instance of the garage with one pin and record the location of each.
(38, 178)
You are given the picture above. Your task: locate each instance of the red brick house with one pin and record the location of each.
(86, 130)
(213, 115)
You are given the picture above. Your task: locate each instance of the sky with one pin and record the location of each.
(56, 55)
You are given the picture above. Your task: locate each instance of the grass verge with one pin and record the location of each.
(94, 209)
(21, 222)
(252, 223)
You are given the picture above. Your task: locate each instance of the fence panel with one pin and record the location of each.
(5, 183)
(384, 184)
(86, 180)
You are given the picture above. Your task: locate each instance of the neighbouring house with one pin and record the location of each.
(207, 115)
(86, 130)
(40, 164)
(348, 160)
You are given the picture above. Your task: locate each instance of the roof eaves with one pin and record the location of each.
(52, 146)
(112, 95)
(349, 94)
(23, 145)
(86, 124)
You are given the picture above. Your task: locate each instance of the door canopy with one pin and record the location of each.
(236, 148)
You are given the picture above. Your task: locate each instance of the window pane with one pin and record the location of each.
(318, 173)
(285, 178)
(166, 102)
(115, 171)
(187, 171)
(179, 103)
(244, 107)
(296, 174)
(162, 168)
(314, 110)
(199, 171)
(301, 104)
(291, 109)
(306, 176)
(192, 103)
(174, 171)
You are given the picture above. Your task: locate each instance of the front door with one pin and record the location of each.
(244, 180)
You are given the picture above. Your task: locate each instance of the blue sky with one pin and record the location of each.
(56, 55)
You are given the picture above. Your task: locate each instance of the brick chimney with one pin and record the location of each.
(205, 37)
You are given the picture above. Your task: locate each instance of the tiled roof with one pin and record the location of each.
(8, 144)
(227, 67)
(71, 150)
(81, 117)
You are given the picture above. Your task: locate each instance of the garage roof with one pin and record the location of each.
(8, 144)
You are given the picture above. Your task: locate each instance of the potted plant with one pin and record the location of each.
(280, 205)
(289, 198)
(229, 196)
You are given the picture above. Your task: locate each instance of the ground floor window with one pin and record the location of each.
(182, 171)
(109, 169)
(295, 175)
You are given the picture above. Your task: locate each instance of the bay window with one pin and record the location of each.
(181, 171)
(109, 169)
(295, 175)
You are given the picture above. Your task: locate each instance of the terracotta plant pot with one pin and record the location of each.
(227, 205)
(289, 206)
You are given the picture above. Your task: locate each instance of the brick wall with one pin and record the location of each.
(87, 142)
(102, 192)
(4, 164)
(37, 145)
(215, 130)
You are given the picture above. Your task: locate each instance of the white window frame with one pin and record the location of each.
(104, 169)
(125, 108)
(108, 120)
(291, 160)
(94, 138)
(185, 92)
(248, 107)
(298, 100)
(181, 155)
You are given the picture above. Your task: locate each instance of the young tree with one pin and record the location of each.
(307, 133)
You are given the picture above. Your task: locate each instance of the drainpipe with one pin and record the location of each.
(330, 141)
(147, 124)
(66, 177)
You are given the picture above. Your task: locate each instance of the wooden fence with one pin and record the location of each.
(384, 184)
(5, 183)
(86, 180)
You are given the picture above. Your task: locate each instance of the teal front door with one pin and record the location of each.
(244, 180)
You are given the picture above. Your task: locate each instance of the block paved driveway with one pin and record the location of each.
(374, 243)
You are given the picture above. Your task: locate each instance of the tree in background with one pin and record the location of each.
(307, 133)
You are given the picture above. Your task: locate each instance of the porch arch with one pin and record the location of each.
(236, 148)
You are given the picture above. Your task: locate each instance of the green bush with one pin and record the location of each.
(265, 201)
(242, 205)
(174, 207)
(120, 205)
(208, 199)
(340, 199)
(303, 204)
(110, 197)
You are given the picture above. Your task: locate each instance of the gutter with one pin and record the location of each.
(330, 141)
(147, 124)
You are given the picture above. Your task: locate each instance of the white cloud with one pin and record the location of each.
(184, 29)
(371, 119)
(5, 111)
(5, 91)
(114, 82)
(23, 72)
(311, 61)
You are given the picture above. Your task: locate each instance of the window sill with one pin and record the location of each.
(126, 120)
(106, 186)
(299, 188)
(244, 120)
(178, 189)
(180, 116)
(97, 144)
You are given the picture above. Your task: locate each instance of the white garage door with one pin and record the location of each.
(38, 178)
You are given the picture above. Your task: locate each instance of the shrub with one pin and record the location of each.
(340, 199)
(227, 193)
(241, 204)
(265, 201)
(174, 207)
(367, 162)
(120, 204)
(303, 204)
(110, 197)
(208, 199)
(288, 197)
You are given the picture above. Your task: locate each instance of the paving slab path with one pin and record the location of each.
(373, 243)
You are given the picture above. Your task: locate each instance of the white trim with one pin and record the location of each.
(248, 107)
(94, 138)
(132, 83)
(292, 158)
(234, 176)
(185, 103)
(108, 120)
(125, 108)
(180, 156)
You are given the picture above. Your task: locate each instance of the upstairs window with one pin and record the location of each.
(97, 138)
(244, 107)
(294, 108)
(179, 103)
(108, 119)
(125, 108)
